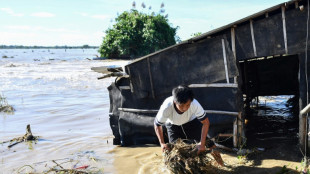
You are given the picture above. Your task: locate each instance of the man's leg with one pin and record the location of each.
(193, 131)
(174, 132)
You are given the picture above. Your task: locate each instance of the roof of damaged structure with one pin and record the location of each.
(225, 27)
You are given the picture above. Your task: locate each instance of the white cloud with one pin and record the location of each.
(99, 34)
(95, 16)
(43, 14)
(16, 38)
(11, 12)
(84, 14)
(188, 21)
(101, 17)
(60, 30)
(18, 27)
(40, 28)
(80, 39)
(41, 38)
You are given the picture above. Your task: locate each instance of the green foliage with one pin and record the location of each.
(137, 34)
(196, 34)
(283, 170)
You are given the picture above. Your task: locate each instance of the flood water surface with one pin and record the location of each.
(57, 93)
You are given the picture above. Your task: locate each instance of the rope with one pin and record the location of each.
(184, 132)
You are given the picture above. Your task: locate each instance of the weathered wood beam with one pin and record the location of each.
(284, 29)
(124, 87)
(221, 112)
(233, 41)
(235, 133)
(150, 111)
(130, 82)
(216, 85)
(240, 129)
(303, 104)
(226, 135)
(112, 74)
(305, 110)
(253, 38)
(150, 75)
(225, 61)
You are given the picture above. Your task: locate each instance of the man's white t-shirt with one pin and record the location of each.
(167, 113)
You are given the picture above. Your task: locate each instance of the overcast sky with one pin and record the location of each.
(79, 22)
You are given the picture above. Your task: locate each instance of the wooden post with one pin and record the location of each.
(150, 75)
(284, 28)
(225, 60)
(246, 83)
(253, 37)
(302, 101)
(238, 131)
(131, 86)
(235, 133)
(233, 41)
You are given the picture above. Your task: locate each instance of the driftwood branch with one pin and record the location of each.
(113, 74)
(27, 137)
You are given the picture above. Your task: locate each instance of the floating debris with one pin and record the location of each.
(27, 137)
(4, 106)
(81, 163)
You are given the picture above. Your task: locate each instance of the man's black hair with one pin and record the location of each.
(182, 94)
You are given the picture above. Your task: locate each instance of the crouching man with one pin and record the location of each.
(184, 118)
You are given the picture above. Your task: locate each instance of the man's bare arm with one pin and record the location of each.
(204, 133)
(160, 136)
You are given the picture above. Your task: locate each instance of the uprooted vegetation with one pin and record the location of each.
(4, 106)
(183, 159)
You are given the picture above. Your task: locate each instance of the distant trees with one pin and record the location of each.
(85, 46)
(137, 34)
(46, 47)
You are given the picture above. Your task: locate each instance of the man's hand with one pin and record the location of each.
(200, 149)
(164, 147)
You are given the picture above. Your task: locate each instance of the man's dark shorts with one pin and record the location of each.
(189, 132)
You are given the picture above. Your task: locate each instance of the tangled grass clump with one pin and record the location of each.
(183, 159)
(4, 106)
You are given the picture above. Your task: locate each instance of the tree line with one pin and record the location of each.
(47, 47)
